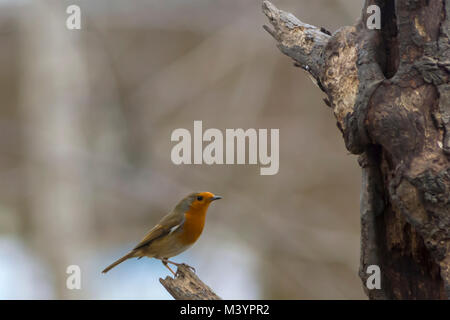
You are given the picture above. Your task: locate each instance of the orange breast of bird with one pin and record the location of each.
(193, 225)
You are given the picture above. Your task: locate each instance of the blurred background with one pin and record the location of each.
(85, 170)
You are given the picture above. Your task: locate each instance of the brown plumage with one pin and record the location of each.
(175, 232)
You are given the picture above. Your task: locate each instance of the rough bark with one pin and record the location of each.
(389, 90)
(52, 107)
(187, 286)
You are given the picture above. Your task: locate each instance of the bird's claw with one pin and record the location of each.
(166, 262)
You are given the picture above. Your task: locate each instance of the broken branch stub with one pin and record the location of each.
(338, 63)
(186, 285)
(300, 41)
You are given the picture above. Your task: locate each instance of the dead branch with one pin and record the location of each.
(187, 286)
(300, 41)
(389, 91)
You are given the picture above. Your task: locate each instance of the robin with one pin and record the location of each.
(175, 232)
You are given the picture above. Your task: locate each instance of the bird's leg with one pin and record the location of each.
(164, 262)
(180, 264)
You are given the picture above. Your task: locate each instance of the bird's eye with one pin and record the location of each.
(199, 198)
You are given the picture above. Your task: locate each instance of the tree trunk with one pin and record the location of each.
(390, 94)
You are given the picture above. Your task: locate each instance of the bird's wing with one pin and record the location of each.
(164, 227)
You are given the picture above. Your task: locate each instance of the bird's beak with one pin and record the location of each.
(216, 198)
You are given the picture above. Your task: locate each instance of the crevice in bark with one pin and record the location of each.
(390, 42)
(406, 262)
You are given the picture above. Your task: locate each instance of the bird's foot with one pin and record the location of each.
(179, 264)
(164, 262)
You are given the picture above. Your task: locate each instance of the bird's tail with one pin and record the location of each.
(125, 257)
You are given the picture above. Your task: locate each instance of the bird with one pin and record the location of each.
(175, 232)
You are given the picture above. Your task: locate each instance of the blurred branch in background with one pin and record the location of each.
(52, 105)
